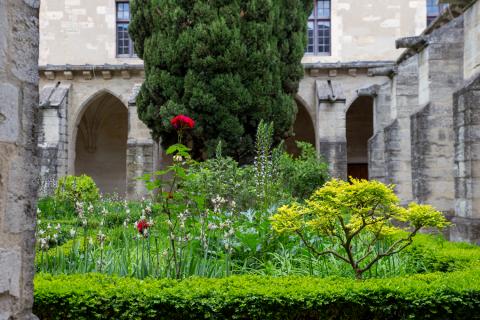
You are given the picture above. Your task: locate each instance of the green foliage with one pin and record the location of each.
(301, 176)
(73, 189)
(351, 218)
(434, 296)
(226, 64)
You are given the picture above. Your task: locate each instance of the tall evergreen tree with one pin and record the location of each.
(226, 63)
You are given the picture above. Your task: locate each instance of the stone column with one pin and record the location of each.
(142, 151)
(53, 136)
(467, 163)
(18, 163)
(397, 135)
(331, 127)
(440, 72)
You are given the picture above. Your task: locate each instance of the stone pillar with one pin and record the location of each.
(53, 136)
(376, 144)
(440, 72)
(142, 151)
(397, 134)
(467, 163)
(331, 127)
(18, 163)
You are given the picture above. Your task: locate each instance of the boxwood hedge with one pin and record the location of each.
(454, 295)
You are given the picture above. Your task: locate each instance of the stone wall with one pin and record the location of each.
(467, 162)
(431, 147)
(18, 161)
(433, 139)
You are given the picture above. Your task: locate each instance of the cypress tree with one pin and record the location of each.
(228, 64)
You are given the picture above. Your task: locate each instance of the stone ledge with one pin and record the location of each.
(348, 65)
(91, 67)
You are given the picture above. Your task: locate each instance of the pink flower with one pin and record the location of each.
(182, 122)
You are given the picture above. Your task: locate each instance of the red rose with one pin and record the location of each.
(182, 122)
(142, 225)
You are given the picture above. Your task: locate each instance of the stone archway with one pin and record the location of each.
(359, 129)
(101, 143)
(303, 130)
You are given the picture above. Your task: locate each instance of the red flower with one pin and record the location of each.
(142, 225)
(182, 122)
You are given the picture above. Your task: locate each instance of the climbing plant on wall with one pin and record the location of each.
(226, 64)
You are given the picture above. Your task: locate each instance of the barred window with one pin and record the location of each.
(318, 29)
(434, 9)
(124, 43)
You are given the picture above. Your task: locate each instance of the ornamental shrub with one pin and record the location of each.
(433, 296)
(348, 221)
(72, 189)
(226, 64)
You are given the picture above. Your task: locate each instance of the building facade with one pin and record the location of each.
(373, 108)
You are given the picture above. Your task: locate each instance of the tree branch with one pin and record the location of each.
(320, 253)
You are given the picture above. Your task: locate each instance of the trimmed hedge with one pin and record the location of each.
(454, 295)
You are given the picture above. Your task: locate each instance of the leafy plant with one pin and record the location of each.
(73, 189)
(349, 219)
(301, 176)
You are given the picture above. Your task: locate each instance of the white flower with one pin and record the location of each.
(39, 211)
(43, 243)
(212, 226)
(177, 158)
(90, 241)
(49, 226)
(72, 232)
(41, 232)
(39, 222)
(58, 227)
(84, 222)
(135, 224)
(101, 237)
(102, 222)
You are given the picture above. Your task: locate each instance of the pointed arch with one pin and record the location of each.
(100, 141)
(303, 128)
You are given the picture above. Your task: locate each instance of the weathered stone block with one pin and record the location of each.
(10, 264)
(9, 120)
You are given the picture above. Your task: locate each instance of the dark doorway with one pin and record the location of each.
(359, 131)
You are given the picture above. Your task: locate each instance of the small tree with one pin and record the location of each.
(351, 219)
